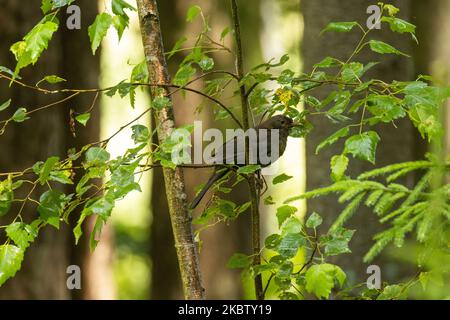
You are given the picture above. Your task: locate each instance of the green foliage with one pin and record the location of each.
(20, 115)
(10, 260)
(83, 118)
(320, 279)
(340, 26)
(314, 220)
(383, 47)
(363, 146)
(22, 234)
(97, 31)
(296, 257)
(5, 105)
(281, 178)
(34, 43)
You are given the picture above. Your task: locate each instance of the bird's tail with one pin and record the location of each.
(215, 177)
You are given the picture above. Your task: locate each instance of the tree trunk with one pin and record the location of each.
(397, 144)
(43, 272)
(432, 19)
(220, 282)
(174, 179)
(96, 267)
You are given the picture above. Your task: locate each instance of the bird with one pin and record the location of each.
(233, 150)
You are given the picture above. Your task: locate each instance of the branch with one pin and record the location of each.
(254, 190)
(185, 245)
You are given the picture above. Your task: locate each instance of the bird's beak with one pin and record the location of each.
(294, 124)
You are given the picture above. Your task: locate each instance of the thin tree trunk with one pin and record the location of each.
(254, 191)
(174, 180)
(432, 19)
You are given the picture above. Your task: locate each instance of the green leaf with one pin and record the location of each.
(248, 169)
(34, 43)
(6, 196)
(52, 203)
(10, 261)
(320, 279)
(37, 39)
(177, 46)
(184, 74)
(385, 108)
(192, 13)
(268, 201)
(336, 241)
(83, 118)
(48, 166)
(314, 220)
(21, 233)
(96, 156)
(352, 71)
(392, 292)
(224, 33)
(341, 100)
(239, 261)
(95, 234)
(340, 26)
(53, 79)
(424, 104)
(391, 9)
(285, 77)
(383, 47)
(97, 31)
(8, 71)
(160, 103)
(284, 212)
(328, 62)
(363, 146)
(290, 243)
(338, 166)
(118, 7)
(291, 225)
(46, 6)
(139, 73)
(5, 105)
(140, 133)
(281, 178)
(101, 207)
(333, 138)
(272, 241)
(400, 26)
(206, 63)
(120, 23)
(20, 115)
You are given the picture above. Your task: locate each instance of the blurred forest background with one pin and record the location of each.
(136, 258)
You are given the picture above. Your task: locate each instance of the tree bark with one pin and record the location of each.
(397, 144)
(43, 274)
(174, 179)
(432, 19)
(96, 267)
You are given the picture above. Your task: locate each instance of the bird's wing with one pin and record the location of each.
(233, 150)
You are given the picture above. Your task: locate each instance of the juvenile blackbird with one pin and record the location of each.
(233, 151)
